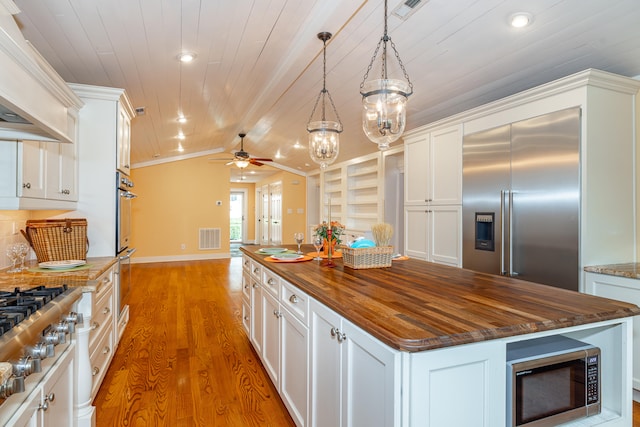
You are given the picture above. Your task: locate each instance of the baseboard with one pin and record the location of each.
(175, 258)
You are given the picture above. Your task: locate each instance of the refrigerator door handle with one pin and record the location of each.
(511, 272)
(502, 195)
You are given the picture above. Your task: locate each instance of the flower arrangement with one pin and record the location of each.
(336, 230)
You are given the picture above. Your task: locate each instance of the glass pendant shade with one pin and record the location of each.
(324, 141)
(384, 110)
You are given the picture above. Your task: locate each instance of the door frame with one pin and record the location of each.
(244, 193)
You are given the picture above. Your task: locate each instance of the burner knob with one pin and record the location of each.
(12, 386)
(52, 337)
(63, 329)
(74, 319)
(42, 350)
(26, 366)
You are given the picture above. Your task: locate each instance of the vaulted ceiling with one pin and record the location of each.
(259, 62)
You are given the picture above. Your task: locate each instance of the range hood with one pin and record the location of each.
(35, 103)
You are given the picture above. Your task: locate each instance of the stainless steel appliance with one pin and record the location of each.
(552, 380)
(521, 195)
(124, 197)
(36, 327)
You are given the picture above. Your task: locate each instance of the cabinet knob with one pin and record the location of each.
(255, 286)
(294, 299)
(95, 371)
(94, 325)
(65, 192)
(106, 349)
(271, 282)
(27, 185)
(106, 310)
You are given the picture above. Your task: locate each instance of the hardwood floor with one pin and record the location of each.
(184, 359)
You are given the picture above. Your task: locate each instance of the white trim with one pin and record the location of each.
(175, 258)
(245, 194)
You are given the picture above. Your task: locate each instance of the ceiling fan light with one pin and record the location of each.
(324, 142)
(384, 112)
(241, 163)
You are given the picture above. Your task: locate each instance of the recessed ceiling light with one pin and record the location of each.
(182, 119)
(520, 19)
(180, 135)
(187, 56)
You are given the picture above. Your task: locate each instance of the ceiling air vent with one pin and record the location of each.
(405, 9)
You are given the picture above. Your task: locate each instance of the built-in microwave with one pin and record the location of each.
(551, 380)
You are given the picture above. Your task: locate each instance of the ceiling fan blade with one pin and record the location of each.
(261, 159)
(255, 162)
(230, 163)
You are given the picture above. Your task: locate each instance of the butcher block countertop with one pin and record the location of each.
(630, 270)
(84, 276)
(417, 305)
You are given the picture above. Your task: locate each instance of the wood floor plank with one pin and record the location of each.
(184, 359)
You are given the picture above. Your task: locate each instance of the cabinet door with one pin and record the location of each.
(124, 140)
(62, 171)
(58, 394)
(271, 337)
(416, 165)
(371, 380)
(31, 169)
(256, 315)
(294, 375)
(326, 373)
(445, 166)
(29, 414)
(416, 226)
(445, 235)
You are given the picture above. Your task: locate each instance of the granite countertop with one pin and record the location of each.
(417, 305)
(630, 270)
(84, 276)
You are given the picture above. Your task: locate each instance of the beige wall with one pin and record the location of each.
(175, 200)
(294, 202)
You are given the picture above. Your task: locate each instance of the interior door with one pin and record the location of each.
(275, 213)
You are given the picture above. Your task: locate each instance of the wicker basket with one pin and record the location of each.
(58, 239)
(357, 258)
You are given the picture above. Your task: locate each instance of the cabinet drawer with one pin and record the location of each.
(256, 269)
(271, 282)
(246, 286)
(101, 317)
(100, 358)
(295, 301)
(246, 263)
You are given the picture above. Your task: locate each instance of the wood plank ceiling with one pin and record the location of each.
(259, 66)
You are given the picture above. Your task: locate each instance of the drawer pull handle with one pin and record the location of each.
(255, 286)
(246, 318)
(95, 371)
(294, 299)
(106, 350)
(106, 310)
(256, 270)
(94, 325)
(271, 282)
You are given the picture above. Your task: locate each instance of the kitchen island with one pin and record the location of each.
(438, 338)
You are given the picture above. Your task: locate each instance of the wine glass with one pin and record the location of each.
(12, 253)
(23, 250)
(317, 243)
(299, 238)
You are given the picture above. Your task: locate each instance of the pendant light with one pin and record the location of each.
(384, 101)
(324, 135)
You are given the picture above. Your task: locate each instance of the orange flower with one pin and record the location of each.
(336, 230)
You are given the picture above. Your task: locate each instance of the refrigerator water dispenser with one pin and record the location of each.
(485, 231)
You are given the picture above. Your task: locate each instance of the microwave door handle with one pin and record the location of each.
(128, 254)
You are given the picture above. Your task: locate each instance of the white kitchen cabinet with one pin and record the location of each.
(32, 156)
(622, 289)
(433, 166)
(51, 403)
(294, 365)
(256, 315)
(246, 301)
(124, 138)
(434, 233)
(62, 171)
(271, 336)
(355, 379)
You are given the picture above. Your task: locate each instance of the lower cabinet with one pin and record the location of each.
(621, 289)
(355, 379)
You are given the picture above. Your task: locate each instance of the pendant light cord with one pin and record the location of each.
(324, 92)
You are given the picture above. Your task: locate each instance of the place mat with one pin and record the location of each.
(400, 258)
(304, 258)
(59, 270)
(314, 254)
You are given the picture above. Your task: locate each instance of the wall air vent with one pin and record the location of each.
(405, 9)
(209, 238)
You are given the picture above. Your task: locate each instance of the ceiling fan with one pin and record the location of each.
(242, 159)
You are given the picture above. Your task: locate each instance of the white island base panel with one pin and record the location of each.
(465, 385)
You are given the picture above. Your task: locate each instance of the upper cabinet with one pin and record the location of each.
(124, 136)
(35, 103)
(433, 166)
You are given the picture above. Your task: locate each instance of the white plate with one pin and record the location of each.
(272, 250)
(287, 257)
(59, 265)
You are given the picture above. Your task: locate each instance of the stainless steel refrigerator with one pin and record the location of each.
(521, 199)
